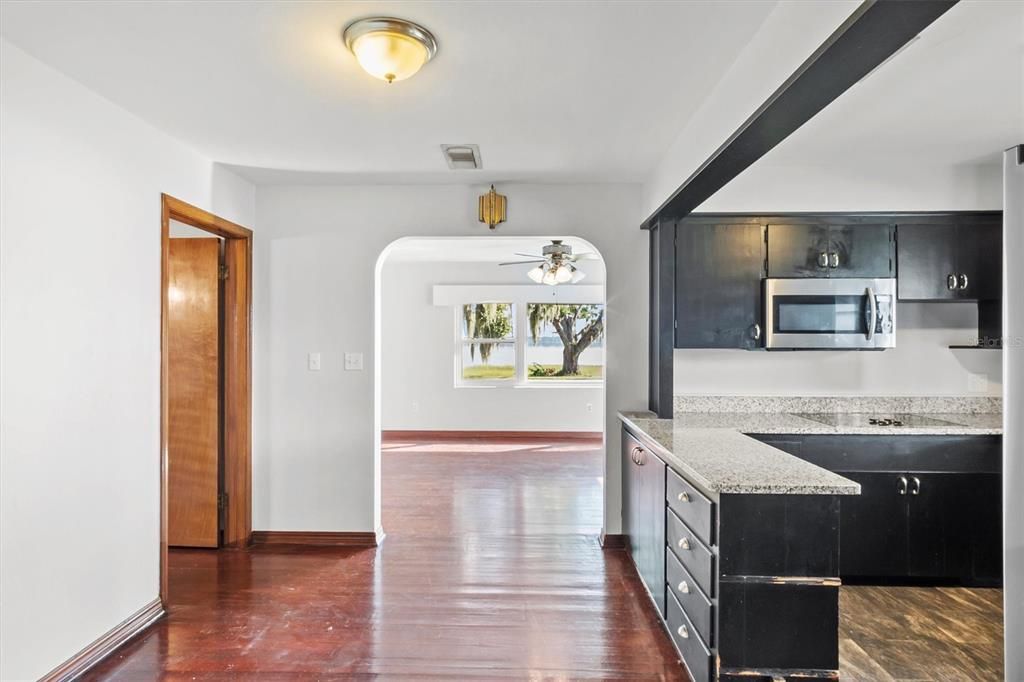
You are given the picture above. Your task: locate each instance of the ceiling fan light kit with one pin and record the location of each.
(556, 266)
(493, 208)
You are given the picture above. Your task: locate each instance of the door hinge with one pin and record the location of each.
(222, 500)
(222, 272)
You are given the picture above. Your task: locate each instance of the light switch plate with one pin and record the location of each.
(353, 361)
(314, 362)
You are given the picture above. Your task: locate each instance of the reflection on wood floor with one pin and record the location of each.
(945, 634)
(491, 568)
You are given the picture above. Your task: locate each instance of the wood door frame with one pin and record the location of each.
(237, 364)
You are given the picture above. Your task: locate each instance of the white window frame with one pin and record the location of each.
(520, 379)
(556, 383)
(461, 343)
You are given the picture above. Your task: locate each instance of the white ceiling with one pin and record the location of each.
(550, 90)
(955, 97)
(556, 91)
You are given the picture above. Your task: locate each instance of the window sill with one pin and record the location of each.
(546, 385)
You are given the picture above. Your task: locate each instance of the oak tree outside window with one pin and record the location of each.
(488, 350)
(531, 343)
(566, 341)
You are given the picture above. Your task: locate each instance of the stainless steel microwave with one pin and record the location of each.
(839, 314)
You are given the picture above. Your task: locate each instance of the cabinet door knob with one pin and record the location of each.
(963, 281)
(901, 485)
(755, 331)
(684, 632)
(916, 489)
(823, 260)
(833, 260)
(684, 587)
(685, 542)
(951, 282)
(683, 497)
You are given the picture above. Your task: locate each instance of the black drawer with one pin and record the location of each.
(695, 557)
(697, 606)
(693, 652)
(691, 506)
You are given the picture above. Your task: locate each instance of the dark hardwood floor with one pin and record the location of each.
(491, 568)
(939, 634)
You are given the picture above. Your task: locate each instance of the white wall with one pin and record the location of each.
(790, 34)
(317, 248)
(418, 359)
(80, 182)
(1013, 417)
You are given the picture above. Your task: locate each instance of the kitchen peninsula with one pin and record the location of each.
(745, 514)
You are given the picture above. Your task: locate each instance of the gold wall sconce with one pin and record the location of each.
(493, 208)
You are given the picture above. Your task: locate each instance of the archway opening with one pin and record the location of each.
(489, 396)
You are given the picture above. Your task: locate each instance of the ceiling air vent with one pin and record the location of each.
(462, 156)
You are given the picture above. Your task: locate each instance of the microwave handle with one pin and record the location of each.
(873, 320)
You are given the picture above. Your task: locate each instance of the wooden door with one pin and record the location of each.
(861, 251)
(718, 285)
(193, 323)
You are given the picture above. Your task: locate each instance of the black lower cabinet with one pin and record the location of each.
(748, 587)
(873, 527)
(945, 542)
(930, 508)
(643, 510)
(784, 627)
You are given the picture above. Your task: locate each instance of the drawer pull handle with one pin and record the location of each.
(684, 632)
(684, 497)
(684, 587)
(684, 543)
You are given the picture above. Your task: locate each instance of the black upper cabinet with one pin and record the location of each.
(927, 262)
(830, 250)
(980, 261)
(862, 250)
(798, 250)
(718, 285)
(950, 261)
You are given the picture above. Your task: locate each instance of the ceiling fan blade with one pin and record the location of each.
(529, 255)
(523, 262)
(590, 255)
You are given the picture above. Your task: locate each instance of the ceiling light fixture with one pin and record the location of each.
(388, 48)
(557, 265)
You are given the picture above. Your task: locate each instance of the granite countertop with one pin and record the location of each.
(724, 460)
(710, 446)
(960, 423)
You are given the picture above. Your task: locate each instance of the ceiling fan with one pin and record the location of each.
(556, 266)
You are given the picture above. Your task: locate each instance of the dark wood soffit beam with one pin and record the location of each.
(872, 34)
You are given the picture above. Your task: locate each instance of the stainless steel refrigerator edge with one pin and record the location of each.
(1013, 411)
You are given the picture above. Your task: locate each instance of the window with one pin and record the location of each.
(529, 344)
(487, 335)
(566, 342)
